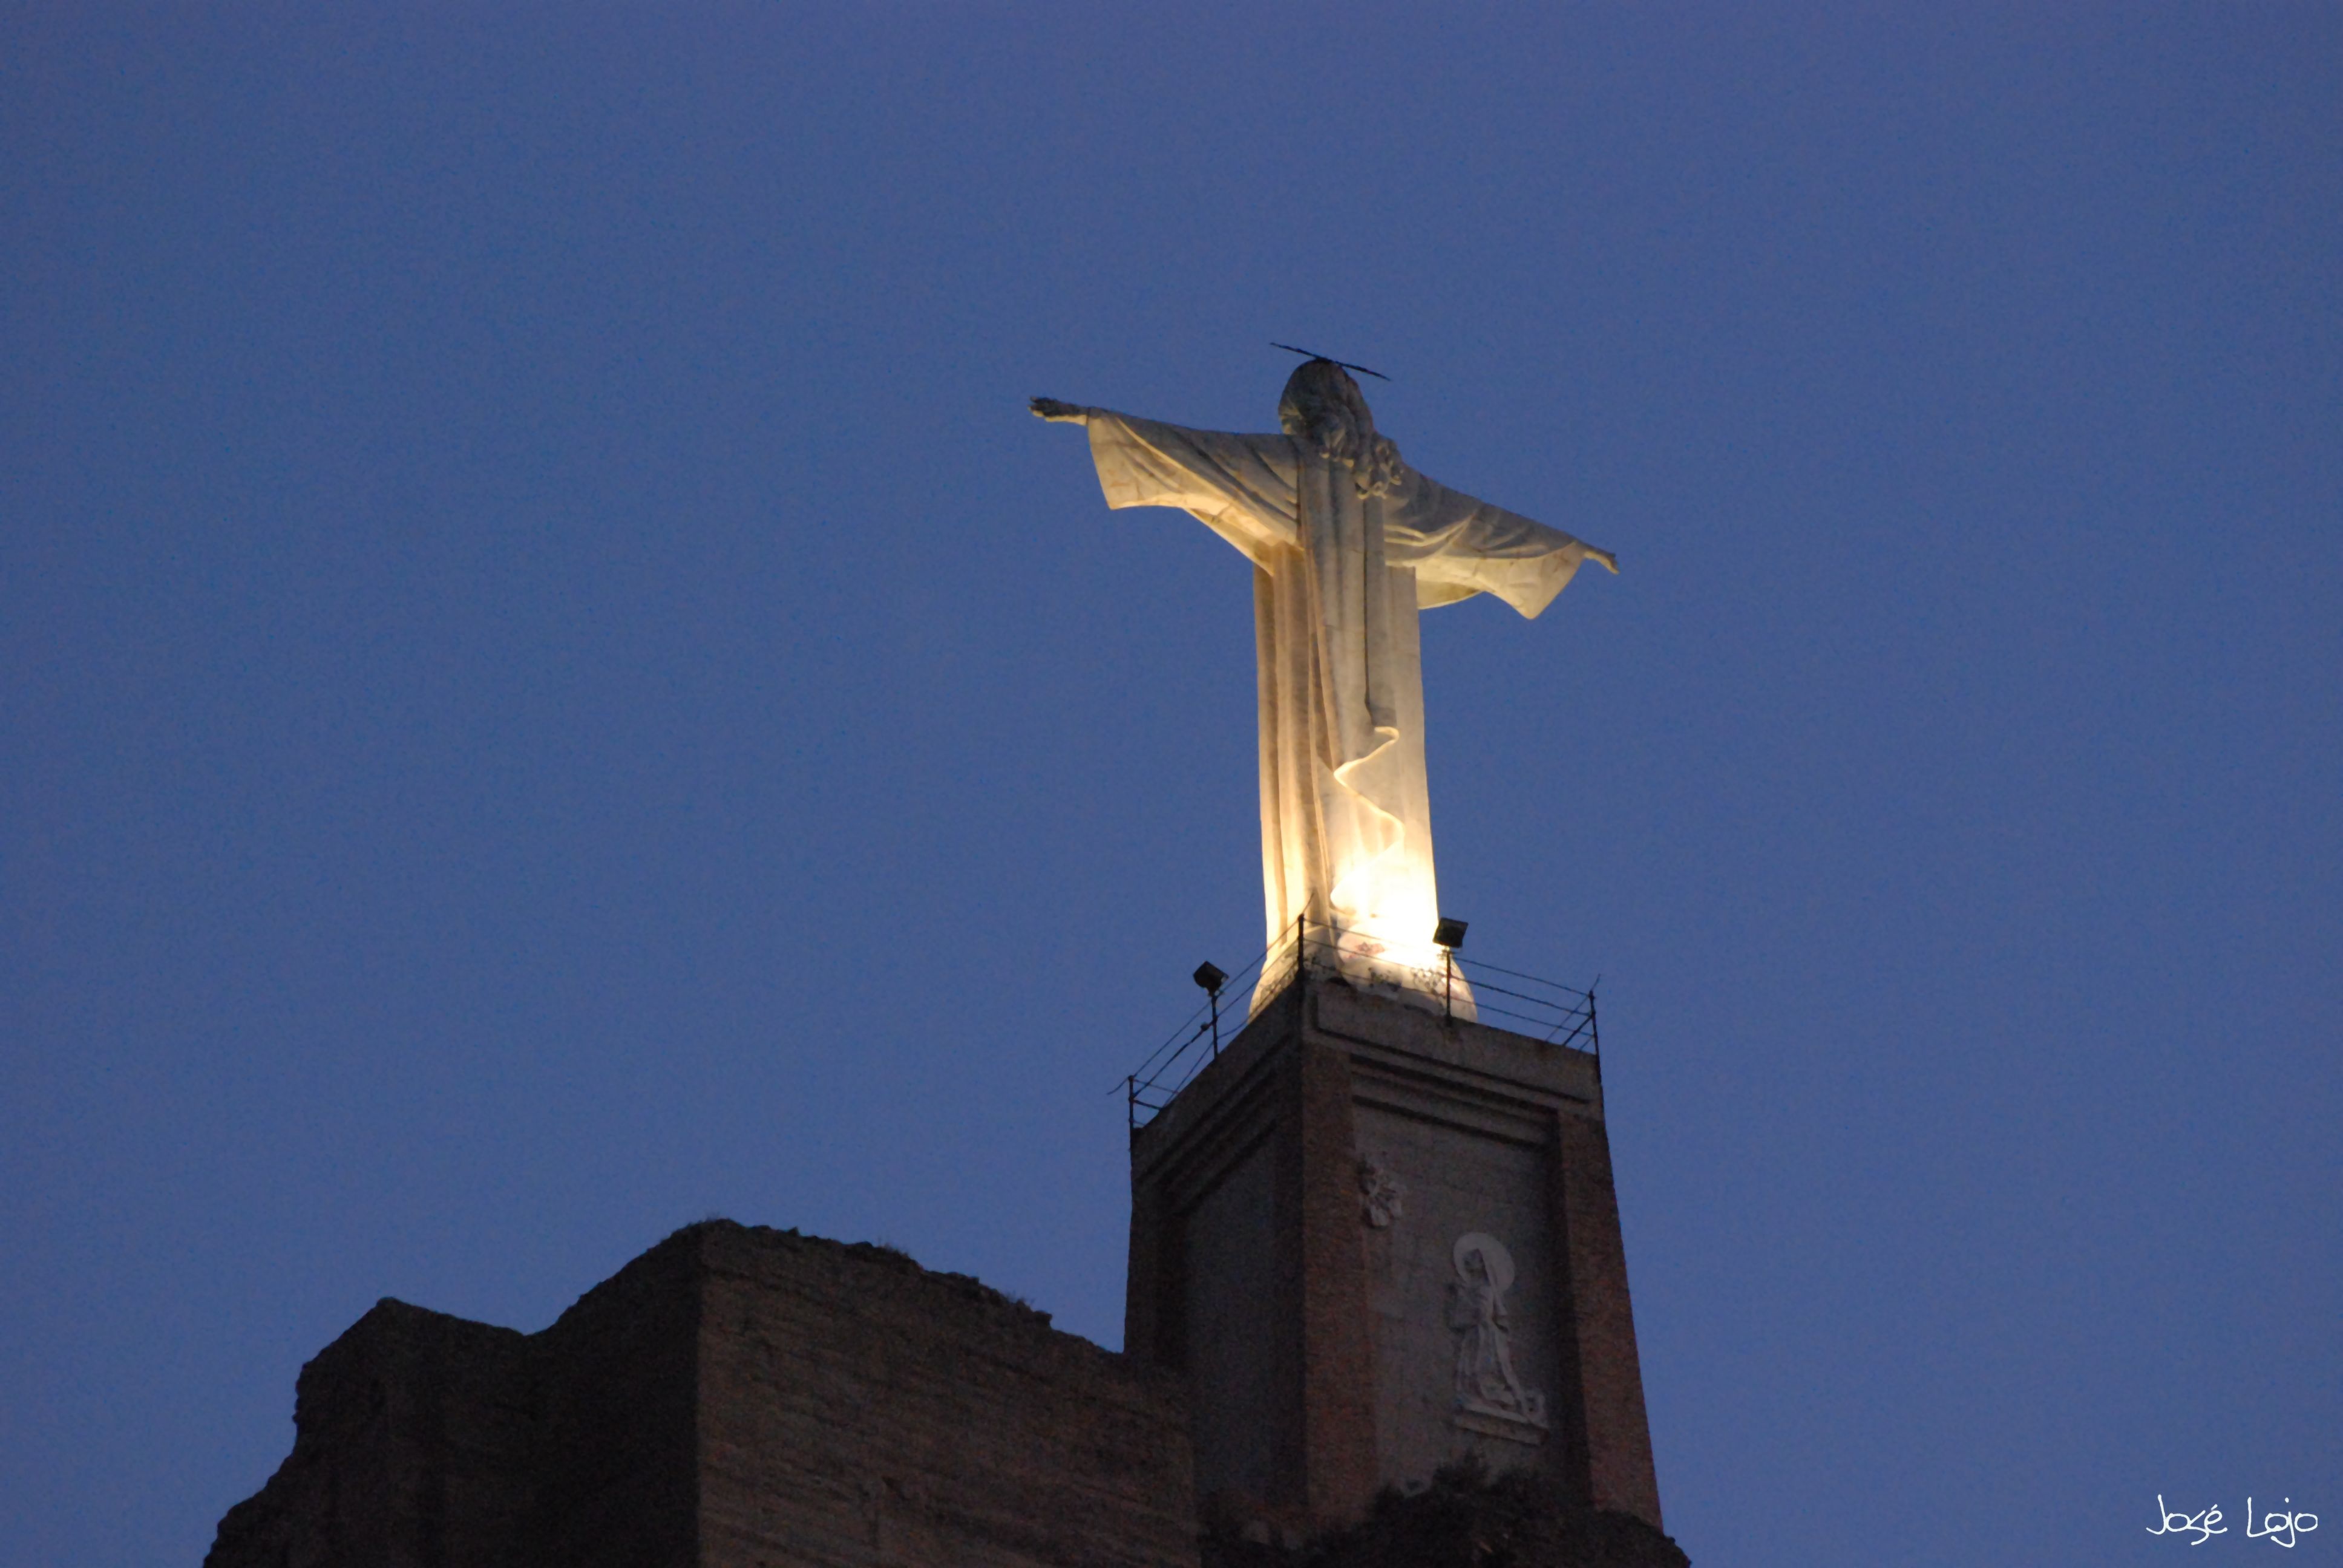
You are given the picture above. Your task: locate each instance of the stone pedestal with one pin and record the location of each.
(1375, 1242)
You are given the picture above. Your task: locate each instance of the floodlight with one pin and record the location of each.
(1448, 935)
(1208, 975)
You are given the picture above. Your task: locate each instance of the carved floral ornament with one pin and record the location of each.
(1382, 1196)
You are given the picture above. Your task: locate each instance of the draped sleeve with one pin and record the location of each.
(1239, 486)
(1460, 546)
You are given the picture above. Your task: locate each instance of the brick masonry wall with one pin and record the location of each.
(737, 1397)
(1613, 1427)
(412, 1448)
(615, 1482)
(860, 1409)
(1487, 1132)
(1338, 1391)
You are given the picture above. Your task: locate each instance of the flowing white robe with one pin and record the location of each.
(1338, 578)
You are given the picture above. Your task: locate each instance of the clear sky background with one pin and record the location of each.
(552, 688)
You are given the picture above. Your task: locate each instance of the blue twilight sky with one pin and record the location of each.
(552, 688)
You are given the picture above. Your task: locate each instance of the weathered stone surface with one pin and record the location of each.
(1465, 1520)
(857, 1408)
(736, 1397)
(615, 1473)
(1314, 1226)
(413, 1434)
(1376, 1242)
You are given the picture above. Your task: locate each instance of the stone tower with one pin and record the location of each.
(1376, 1241)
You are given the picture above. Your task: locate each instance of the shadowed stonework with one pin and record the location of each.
(1463, 1519)
(734, 1397)
(1378, 1315)
(1378, 1243)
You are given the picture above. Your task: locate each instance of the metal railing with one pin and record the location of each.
(1545, 1009)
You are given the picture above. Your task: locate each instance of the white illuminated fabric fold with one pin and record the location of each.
(1338, 578)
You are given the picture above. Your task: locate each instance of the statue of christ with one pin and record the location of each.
(1347, 542)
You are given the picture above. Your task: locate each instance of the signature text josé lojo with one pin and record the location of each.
(2278, 1528)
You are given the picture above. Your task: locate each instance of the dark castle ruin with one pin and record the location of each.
(1378, 1315)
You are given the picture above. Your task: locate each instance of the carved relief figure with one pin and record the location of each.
(1382, 1197)
(1486, 1383)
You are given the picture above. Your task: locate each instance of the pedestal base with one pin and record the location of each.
(1375, 1243)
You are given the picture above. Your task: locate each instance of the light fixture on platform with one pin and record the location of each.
(1211, 976)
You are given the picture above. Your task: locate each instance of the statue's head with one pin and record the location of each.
(1323, 407)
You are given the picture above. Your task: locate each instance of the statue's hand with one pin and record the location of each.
(1059, 413)
(1610, 562)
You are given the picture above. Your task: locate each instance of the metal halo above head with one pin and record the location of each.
(1313, 354)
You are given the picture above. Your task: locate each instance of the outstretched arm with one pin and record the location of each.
(1460, 546)
(1239, 486)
